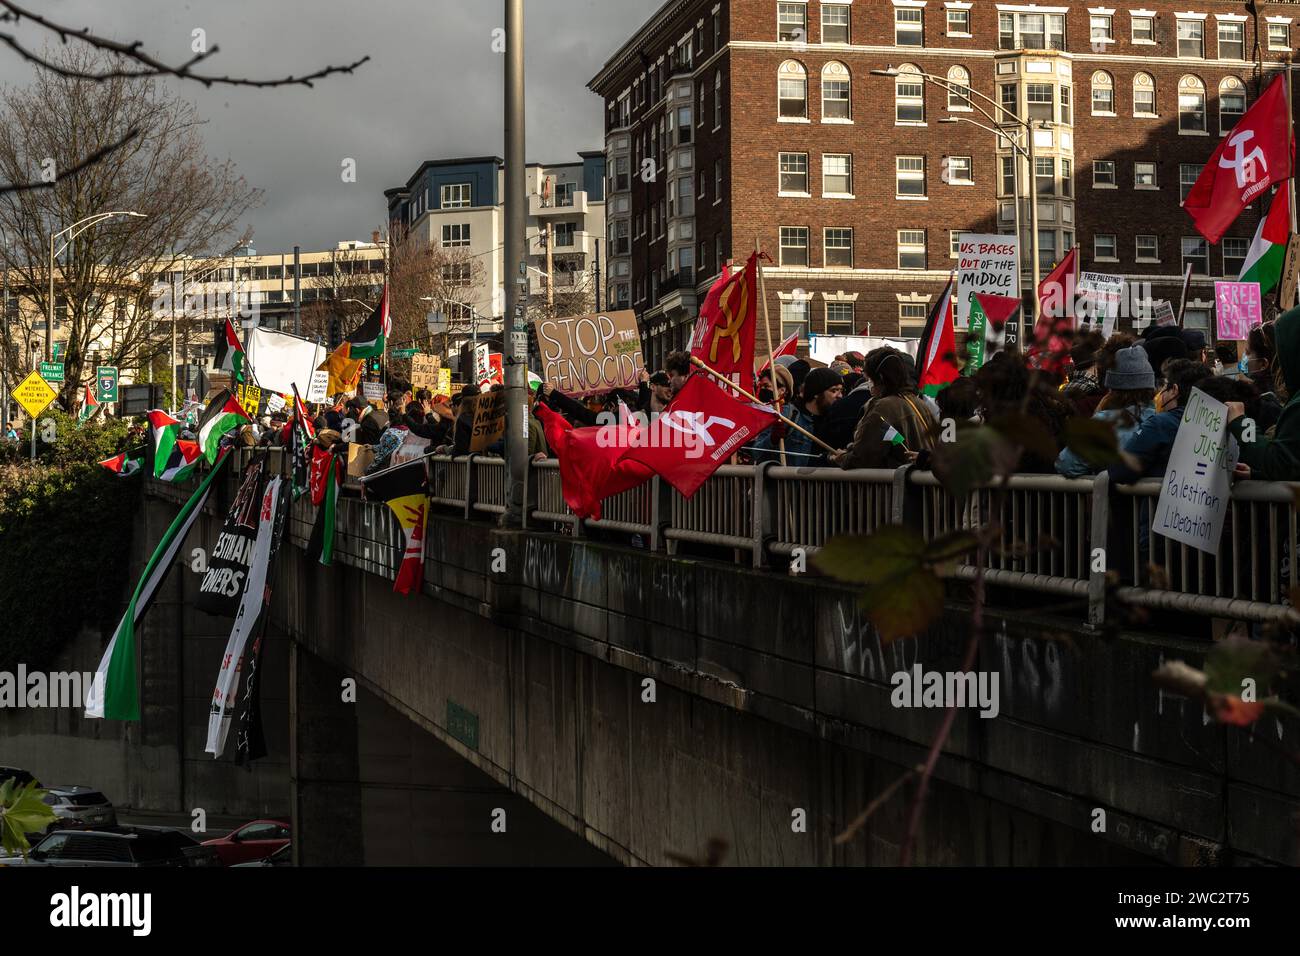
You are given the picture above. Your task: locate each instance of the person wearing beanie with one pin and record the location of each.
(895, 409)
(1148, 447)
(1163, 345)
(822, 388)
(799, 370)
(1129, 404)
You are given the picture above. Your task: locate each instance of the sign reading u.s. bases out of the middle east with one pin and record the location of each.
(985, 264)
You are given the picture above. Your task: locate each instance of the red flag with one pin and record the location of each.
(321, 460)
(1049, 347)
(724, 333)
(789, 347)
(702, 427)
(1250, 159)
(590, 470)
(937, 353)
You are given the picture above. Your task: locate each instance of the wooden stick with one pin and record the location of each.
(730, 384)
(767, 333)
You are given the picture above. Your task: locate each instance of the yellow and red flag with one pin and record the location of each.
(724, 334)
(402, 488)
(343, 368)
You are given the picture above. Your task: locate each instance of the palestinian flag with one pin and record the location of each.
(402, 488)
(1264, 258)
(88, 408)
(368, 341)
(127, 463)
(223, 415)
(937, 353)
(174, 458)
(230, 354)
(114, 693)
(988, 317)
(894, 437)
(326, 475)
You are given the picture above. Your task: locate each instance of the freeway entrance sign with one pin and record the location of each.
(34, 394)
(52, 371)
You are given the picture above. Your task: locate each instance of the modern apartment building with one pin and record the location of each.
(731, 121)
(457, 205)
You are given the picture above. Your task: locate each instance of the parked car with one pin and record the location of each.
(136, 846)
(281, 857)
(20, 777)
(79, 807)
(252, 841)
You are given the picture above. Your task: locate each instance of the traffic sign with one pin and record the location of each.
(106, 383)
(34, 394)
(404, 353)
(52, 371)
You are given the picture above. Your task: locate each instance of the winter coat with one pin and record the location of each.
(1278, 458)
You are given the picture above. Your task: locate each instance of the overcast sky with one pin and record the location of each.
(432, 89)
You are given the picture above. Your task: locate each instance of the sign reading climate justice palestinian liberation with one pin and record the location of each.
(1238, 309)
(584, 354)
(1194, 495)
(985, 264)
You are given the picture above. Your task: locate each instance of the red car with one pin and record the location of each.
(252, 841)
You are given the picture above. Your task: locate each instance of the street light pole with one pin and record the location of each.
(516, 198)
(85, 224)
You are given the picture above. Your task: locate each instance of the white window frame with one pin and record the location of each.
(1229, 21)
(910, 175)
(445, 192)
(846, 8)
(1097, 253)
(1155, 175)
(964, 11)
(1285, 24)
(952, 163)
(839, 329)
(830, 74)
(899, 244)
(826, 246)
(827, 194)
(1137, 248)
(1114, 178)
(781, 247)
(455, 235)
(1179, 20)
(1153, 113)
(1145, 16)
(909, 26)
(781, 171)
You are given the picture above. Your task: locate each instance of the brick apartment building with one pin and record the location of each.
(731, 121)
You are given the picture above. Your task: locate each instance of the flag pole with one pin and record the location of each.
(727, 382)
(1290, 138)
(767, 334)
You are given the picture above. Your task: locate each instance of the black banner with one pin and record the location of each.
(223, 582)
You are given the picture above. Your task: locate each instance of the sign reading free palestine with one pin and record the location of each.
(1194, 494)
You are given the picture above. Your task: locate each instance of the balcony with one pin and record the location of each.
(575, 206)
(677, 292)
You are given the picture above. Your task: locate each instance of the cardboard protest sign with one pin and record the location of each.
(986, 264)
(444, 382)
(1099, 297)
(319, 389)
(1162, 313)
(1194, 495)
(1238, 309)
(424, 371)
(586, 354)
(489, 422)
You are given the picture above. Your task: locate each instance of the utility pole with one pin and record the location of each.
(597, 276)
(516, 271)
(550, 267)
(297, 296)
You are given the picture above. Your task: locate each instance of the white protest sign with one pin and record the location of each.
(1099, 295)
(373, 391)
(318, 390)
(985, 264)
(274, 402)
(1194, 494)
(1162, 313)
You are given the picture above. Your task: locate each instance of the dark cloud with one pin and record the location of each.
(432, 89)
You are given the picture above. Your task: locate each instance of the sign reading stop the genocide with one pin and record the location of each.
(424, 371)
(583, 354)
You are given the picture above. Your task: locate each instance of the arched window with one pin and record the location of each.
(959, 88)
(909, 96)
(1103, 93)
(1232, 102)
(792, 90)
(1144, 95)
(835, 92)
(1191, 105)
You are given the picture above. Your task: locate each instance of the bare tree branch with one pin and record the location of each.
(86, 163)
(133, 52)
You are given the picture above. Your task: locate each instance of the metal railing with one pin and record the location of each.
(1074, 537)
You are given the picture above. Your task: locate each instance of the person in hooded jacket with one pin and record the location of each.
(1276, 458)
(897, 425)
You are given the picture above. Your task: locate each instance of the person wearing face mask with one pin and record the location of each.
(1275, 458)
(821, 390)
(1151, 443)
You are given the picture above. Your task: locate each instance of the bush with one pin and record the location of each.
(65, 538)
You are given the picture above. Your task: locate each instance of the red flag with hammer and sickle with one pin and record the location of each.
(1252, 157)
(724, 334)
